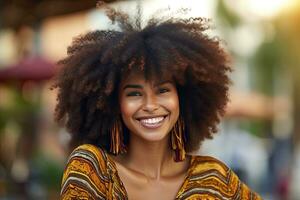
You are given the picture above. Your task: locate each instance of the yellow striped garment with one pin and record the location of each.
(91, 174)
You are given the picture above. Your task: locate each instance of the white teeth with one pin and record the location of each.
(152, 120)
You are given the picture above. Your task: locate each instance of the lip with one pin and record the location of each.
(151, 125)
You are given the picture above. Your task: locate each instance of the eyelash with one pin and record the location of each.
(133, 94)
(136, 93)
(163, 90)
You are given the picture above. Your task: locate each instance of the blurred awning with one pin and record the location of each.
(28, 69)
(257, 105)
(15, 13)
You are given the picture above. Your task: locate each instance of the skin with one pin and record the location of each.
(148, 170)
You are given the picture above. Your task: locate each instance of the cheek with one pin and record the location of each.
(128, 108)
(172, 104)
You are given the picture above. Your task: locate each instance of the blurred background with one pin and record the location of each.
(259, 137)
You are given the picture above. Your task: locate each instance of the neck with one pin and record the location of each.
(153, 159)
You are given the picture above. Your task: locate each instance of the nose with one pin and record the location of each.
(150, 103)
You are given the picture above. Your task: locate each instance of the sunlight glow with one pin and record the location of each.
(267, 8)
(203, 8)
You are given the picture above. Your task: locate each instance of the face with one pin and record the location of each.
(148, 109)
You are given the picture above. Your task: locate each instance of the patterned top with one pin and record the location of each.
(91, 174)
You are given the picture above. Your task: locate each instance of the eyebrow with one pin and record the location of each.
(132, 86)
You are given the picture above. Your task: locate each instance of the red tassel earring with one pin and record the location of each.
(178, 140)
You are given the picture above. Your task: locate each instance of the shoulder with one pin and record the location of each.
(85, 173)
(92, 154)
(206, 164)
(210, 176)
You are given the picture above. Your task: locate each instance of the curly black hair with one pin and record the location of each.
(89, 81)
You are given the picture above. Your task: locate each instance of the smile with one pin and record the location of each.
(153, 122)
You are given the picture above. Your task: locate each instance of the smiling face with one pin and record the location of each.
(149, 109)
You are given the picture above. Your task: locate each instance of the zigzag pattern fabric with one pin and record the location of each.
(91, 174)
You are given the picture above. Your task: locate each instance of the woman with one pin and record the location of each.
(138, 102)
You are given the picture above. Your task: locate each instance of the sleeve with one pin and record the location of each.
(242, 190)
(85, 176)
(247, 193)
(215, 179)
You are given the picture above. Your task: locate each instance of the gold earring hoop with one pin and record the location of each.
(117, 144)
(178, 139)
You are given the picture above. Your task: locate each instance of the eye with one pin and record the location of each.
(133, 94)
(163, 90)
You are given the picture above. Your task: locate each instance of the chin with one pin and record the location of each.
(152, 135)
(155, 137)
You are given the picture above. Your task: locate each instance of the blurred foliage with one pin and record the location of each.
(48, 171)
(18, 109)
(25, 112)
(288, 26)
(257, 127)
(265, 66)
(226, 16)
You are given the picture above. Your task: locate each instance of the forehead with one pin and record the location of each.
(140, 77)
